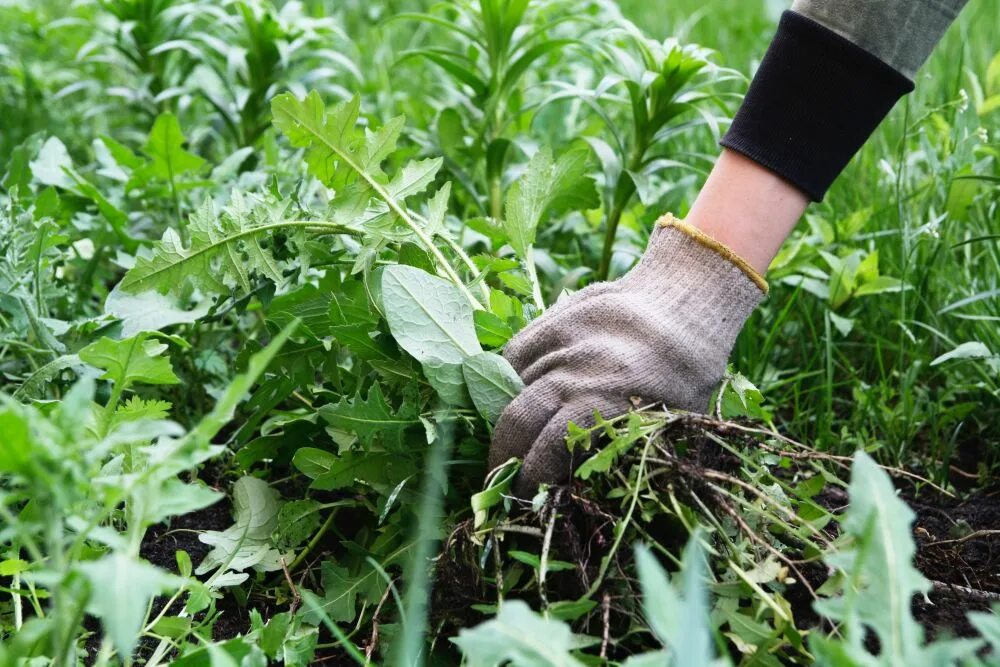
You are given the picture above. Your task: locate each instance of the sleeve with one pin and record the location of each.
(833, 71)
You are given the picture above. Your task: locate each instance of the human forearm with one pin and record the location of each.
(748, 208)
(832, 73)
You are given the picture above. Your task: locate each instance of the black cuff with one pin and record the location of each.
(812, 104)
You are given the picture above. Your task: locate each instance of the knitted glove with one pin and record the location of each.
(662, 333)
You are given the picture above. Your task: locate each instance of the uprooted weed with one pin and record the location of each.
(773, 505)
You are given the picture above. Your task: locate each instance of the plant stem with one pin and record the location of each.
(529, 267)
(15, 585)
(624, 192)
(606, 561)
(314, 541)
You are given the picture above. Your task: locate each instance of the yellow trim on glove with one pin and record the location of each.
(668, 220)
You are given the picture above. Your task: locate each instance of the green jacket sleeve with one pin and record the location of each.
(901, 33)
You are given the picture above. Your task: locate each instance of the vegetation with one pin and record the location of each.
(258, 260)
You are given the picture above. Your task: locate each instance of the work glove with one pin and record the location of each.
(662, 333)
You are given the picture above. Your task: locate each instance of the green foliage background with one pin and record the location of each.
(269, 251)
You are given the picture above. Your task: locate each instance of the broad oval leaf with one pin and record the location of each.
(428, 316)
(492, 382)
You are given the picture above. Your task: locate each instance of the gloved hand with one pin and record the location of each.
(662, 333)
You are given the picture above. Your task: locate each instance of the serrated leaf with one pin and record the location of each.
(371, 418)
(165, 148)
(125, 362)
(881, 578)
(297, 521)
(340, 593)
(225, 251)
(678, 611)
(329, 138)
(247, 542)
(493, 383)
(546, 186)
(150, 311)
(379, 470)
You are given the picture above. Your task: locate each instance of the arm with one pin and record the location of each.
(664, 331)
(833, 71)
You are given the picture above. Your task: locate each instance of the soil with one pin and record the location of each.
(958, 549)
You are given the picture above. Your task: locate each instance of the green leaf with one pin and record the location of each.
(353, 323)
(448, 381)
(237, 390)
(233, 653)
(246, 543)
(176, 498)
(428, 316)
(121, 589)
(150, 311)
(225, 251)
(255, 508)
(371, 418)
(379, 470)
(490, 329)
(172, 626)
(297, 521)
(313, 462)
(678, 611)
(52, 163)
(536, 561)
(602, 461)
(968, 350)
(12, 566)
(329, 138)
(165, 147)
(497, 488)
(493, 383)
(136, 359)
(546, 187)
(273, 635)
(16, 443)
(881, 285)
(341, 591)
(34, 385)
(518, 636)
(138, 409)
(881, 578)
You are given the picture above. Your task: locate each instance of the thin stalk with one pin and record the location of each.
(623, 192)
(464, 256)
(606, 561)
(828, 385)
(529, 267)
(314, 541)
(15, 585)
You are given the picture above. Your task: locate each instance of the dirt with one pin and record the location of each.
(958, 549)
(957, 541)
